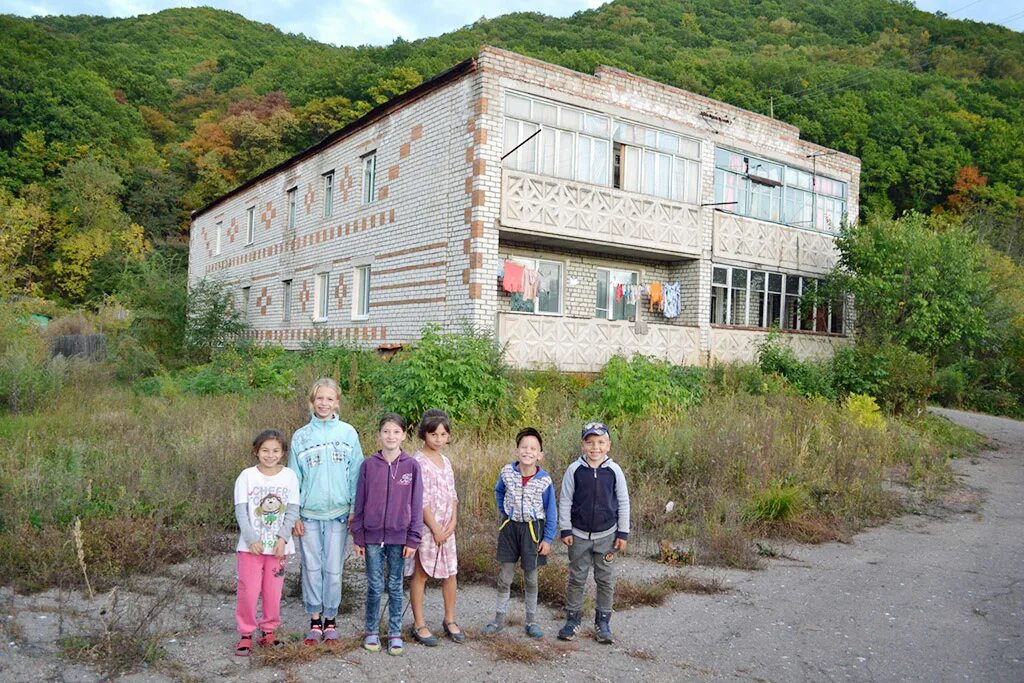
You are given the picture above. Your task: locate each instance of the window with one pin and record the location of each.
(245, 303)
(286, 301)
(549, 290)
(328, 194)
(321, 295)
(657, 163)
(755, 298)
(762, 189)
(609, 305)
(293, 195)
(218, 230)
(250, 225)
(361, 300)
(369, 176)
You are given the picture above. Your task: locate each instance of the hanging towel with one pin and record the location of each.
(656, 300)
(531, 283)
(618, 292)
(672, 305)
(513, 280)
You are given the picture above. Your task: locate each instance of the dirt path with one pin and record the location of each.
(936, 596)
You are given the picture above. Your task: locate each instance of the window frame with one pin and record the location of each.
(629, 311)
(534, 263)
(321, 300)
(286, 301)
(218, 230)
(246, 299)
(250, 225)
(292, 203)
(788, 296)
(369, 175)
(328, 209)
(361, 278)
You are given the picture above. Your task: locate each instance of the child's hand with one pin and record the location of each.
(620, 544)
(544, 548)
(408, 552)
(279, 548)
(567, 539)
(449, 529)
(360, 551)
(439, 535)
(256, 548)
(298, 529)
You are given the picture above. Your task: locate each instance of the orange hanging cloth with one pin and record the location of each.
(656, 298)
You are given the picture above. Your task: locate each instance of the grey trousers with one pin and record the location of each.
(583, 555)
(508, 572)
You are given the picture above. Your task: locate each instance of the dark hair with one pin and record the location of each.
(270, 435)
(391, 417)
(431, 420)
(529, 431)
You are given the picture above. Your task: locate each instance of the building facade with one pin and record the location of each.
(549, 206)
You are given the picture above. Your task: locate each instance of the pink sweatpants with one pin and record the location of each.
(259, 575)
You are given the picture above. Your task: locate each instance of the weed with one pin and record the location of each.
(293, 653)
(778, 503)
(640, 653)
(518, 650)
(655, 592)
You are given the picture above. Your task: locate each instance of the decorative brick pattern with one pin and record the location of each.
(233, 230)
(268, 215)
(263, 301)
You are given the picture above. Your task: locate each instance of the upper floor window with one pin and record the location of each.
(328, 194)
(250, 225)
(657, 163)
(361, 298)
(612, 302)
(762, 189)
(293, 196)
(369, 176)
(757, 298)
(218, 231)
(547, 298)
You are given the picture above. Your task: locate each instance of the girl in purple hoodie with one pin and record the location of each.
(387, 523)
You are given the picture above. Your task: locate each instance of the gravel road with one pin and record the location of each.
(936, 596)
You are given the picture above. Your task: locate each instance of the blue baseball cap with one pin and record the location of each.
(594, 429)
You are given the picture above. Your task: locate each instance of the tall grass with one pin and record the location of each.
(150, 476)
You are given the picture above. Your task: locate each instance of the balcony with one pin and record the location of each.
(577, 215)
(740, 346)
(772, 245)
(586, 344)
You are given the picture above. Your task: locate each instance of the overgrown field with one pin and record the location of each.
(714, 458)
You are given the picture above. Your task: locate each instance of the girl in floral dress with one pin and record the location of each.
(436, 556)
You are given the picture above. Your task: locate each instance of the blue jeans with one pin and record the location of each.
(376, 555)
(323, 558)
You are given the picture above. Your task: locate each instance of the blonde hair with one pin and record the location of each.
(324, 382)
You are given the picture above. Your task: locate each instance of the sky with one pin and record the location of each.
(379, 22)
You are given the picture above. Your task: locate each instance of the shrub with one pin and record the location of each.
(808, 378)
(463, 374)
(950, 386)
(901, 380)
(27, 375)
(864, 411)
(641, 386)
(777, 503)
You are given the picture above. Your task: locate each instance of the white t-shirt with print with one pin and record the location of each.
(267, 498)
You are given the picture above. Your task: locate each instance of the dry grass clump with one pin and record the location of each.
(293, 653)
(524, 651)
(640, 653)
(655, 592)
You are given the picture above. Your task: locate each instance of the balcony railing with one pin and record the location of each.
(773, 245)
(586, 344)
(591, 214)
(740, 346)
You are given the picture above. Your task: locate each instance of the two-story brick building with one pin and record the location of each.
(586, 196)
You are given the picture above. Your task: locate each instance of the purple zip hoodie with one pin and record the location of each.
(389, 502)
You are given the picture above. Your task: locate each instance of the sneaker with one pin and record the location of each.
(571, 627)
(492, 628)
(534, 630)
(603, 629)
(330, 632)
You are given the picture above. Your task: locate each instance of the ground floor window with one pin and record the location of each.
(756, 298)
(361, 300)
(612, 302)
(545, 296)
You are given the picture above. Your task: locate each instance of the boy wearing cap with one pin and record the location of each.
(593, 515)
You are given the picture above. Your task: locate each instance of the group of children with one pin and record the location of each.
(402, 512)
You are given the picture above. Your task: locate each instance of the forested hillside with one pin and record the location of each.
(112, 130)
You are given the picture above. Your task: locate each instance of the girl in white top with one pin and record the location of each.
(266, 507)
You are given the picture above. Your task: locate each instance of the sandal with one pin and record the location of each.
(371, 642)
(244, 647)
(456, 636)
(430, 640)
(268, 639)
(395, 646)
